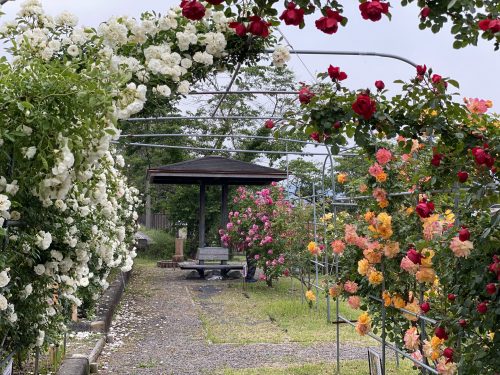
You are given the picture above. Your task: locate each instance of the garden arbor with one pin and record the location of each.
(212, 170)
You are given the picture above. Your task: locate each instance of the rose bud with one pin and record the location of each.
(440, 332)
(463, 234)
(451, 297)
(414, 256)
(462, 323)
(421, 69)
(482, 308)
(425, 307)
(380, 85)
(269, 124)
(448, 353)
(491, 288)
(425, 13)
(436, 159)
(337, 125)
(462, 176)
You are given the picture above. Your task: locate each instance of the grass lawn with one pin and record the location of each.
(260, 314)
(358, 367)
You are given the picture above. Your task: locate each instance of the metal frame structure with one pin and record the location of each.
(336, 201)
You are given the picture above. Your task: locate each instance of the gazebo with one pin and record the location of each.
(213, 170)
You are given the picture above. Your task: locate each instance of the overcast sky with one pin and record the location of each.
(476, 68)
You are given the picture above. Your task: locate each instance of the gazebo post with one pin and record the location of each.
(223, 206)
(148, 204)
(202, 215)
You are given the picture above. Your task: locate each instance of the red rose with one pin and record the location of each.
(479, 155)
(380, 85)
(364, 106)
(440, 332)
(258, 27)
(463, 234)
(425, 13)
(337, 125)
(436, 159)
(315, 136)
(436, 78)
(489, 160)
(269, 124)
(239, 28)
(462, 323)
(414, 256)
(291, 15)
(335, 73)
(489, 25)
(305, 95)
(425, 307)
(462, 176)
(329, 24)
(424, 209)
(286, 272)
(215, 2)
(421, 69)
(482, 308)
(448, 353)
(451, 297)
(491, 288)
(373, 10)
(193, 10)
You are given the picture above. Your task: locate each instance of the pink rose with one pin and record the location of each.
(354, 302)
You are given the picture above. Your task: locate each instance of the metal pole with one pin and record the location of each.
(245, 92)
(201, 230)
(383, 319)
(236, 71)
(351, 53)
(316, 270)
(37, 360)
(148, 204)
(173, 118)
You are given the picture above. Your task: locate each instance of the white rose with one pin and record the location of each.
(4, 278)
(28, 152)
(4, 202)
(43, 240)
(73, 50)
(39, 269)
(3, 303)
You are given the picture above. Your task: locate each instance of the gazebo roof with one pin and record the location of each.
(215, 170)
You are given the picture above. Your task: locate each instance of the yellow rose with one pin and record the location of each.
(341, 178)
(425, 275)
(363, 266)
(310, 296)
(387, 298)
(398, 301)
(375, 277)
(369, 215)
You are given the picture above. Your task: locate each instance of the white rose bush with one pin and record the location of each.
(67, 214)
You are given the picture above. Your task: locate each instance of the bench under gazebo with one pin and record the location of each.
(213, 170)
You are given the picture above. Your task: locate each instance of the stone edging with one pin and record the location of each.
(79, 364)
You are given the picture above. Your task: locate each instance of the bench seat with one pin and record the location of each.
(204, 254)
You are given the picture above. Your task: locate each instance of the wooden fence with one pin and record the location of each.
(158, 221)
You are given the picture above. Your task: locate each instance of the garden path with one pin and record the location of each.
(157, 330)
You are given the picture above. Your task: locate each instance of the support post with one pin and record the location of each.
(202, 215)
(148, 204)
(223, 206)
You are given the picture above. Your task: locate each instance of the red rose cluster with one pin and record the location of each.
(424, 208)
(305, 94)
(192, 10)
(257, 27)
(364, 106)
(373, 10)
(495, 266)
(482, 157)
(292, 15)
(329, 23)
(335, 73)
(489, 25)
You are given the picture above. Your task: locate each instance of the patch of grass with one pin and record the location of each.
(150, 363)
(163, 246)
(273, 315)
(357, 367)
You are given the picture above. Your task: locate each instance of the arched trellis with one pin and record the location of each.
(336, 201)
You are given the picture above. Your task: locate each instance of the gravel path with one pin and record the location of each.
(157, 331)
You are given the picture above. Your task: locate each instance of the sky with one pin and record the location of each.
(476, 68)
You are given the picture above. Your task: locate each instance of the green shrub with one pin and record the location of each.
(162, 247)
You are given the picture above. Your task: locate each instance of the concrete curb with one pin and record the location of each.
(81, 364)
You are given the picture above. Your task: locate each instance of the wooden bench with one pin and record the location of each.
(211, 254)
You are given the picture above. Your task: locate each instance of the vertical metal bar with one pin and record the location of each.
(287, 173)
(423, 334)
(325, 241)
(37, 361)
(383, 320)
(316, 270)
(201, 229)
(148, 204)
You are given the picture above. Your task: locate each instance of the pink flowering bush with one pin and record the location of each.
(262, 224)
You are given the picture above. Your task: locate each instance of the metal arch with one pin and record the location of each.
(243, 136)
(351, 53)
(228, 88)
(193, 118)
(245, 92)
